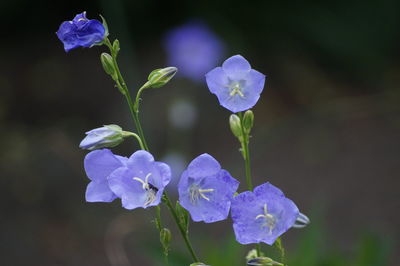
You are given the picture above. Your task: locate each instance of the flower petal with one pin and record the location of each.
(255, 81)
(203, 165)
(100, 164)
(99, 191)
(217, 81)
(236, 67)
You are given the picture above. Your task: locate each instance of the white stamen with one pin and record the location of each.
(270, 220)
(195, 192)
(145, 183)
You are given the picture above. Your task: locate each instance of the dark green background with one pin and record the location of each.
(326, 132)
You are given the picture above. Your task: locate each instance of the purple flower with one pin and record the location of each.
(237, 86)
(262, 215)
(194, 49)
(106, 136)
(206, 190)
(81, 32)
(141, 182)
(99, 165)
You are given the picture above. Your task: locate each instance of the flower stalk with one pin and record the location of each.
(134, 110)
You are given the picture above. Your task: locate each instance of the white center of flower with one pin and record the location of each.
(235, 88)
(150, 189)
(196, 193)
(269, 219)
(82, 19)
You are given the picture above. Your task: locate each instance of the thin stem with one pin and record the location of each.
(180, 227)
(124, 88)
(127, 133)
(134, 109)
(246, 154)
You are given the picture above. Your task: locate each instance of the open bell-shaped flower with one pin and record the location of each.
(206, 190)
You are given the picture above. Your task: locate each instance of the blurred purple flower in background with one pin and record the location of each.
(206, 190)
(262, 215)
(141, 182)
(99, 165)
(81, 32)
(237, 86)
(194, 49)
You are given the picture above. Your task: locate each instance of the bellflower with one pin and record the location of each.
(262, 215)
(194, 49)
(237, 86)
(99, 165)
(106, 136)
(81, 32)
(206, 190)
(141, 182)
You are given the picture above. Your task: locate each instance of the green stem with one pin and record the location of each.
(134, 109)
(244, 141)
(278, 244)
(246, 153)
(180, 227)
(127, 133)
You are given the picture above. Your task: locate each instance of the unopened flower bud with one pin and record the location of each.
(165, 239)
(234, 123)
(108, 65)
(248, 120)
(198, 264)
(103, 137)
(161, 76)
(116, 46)
(263, 261)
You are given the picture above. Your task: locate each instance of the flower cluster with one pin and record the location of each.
(206, 191)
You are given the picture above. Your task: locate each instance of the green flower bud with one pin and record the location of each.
(160, 77)
(165, 239)
(234, 122)
(116, 46)
(198, 264)
(108, 65)
(248, 120)
(263, 261)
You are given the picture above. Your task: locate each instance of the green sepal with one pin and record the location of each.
(183, 216)
(105, 25)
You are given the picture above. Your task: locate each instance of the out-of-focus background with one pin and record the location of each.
(327, 125)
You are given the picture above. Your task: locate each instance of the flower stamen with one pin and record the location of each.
(196, 192)
(145, 183)
(270, 220)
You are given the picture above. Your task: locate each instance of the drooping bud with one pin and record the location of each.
(165, 239)
(263, 261)
(108, 65)
(234, 123)
(107, 136)
(160, 77)
(248, 121)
